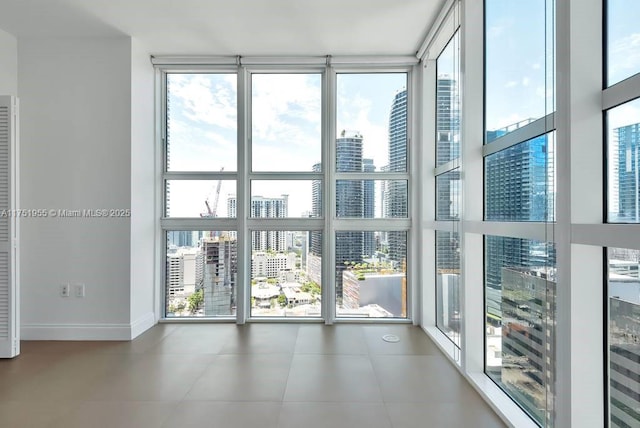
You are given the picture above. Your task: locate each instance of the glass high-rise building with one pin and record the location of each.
(263, 207)
(369, 193)
(519, 182)
(180, 238)
(397, 191)
(518, 187)
(349, 202)
(448, 120)
(628, 140)
(315, 238)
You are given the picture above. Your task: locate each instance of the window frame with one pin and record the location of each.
(613, 234)
(243, 224)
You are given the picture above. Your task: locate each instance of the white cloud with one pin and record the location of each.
(511, 84)
(286, 120)
(624, 55)
(206, 98)
(626, 114)
(355, 115)
(199, 148)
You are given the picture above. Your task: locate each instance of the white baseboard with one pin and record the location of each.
(142, 324)
(87, 331)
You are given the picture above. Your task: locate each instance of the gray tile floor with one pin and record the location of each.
(228, 376)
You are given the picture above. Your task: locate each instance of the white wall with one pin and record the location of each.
(76, 154)
(8, 64)
(143, 179)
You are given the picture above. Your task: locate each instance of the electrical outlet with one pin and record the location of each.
(79, 290)
(64, 290)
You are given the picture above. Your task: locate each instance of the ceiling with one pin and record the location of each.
(233, 27)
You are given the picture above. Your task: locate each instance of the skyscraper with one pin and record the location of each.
(448, 120)
(262, 207)
(448, 185)
(180, 238)
(369, 193)
(349, 202)
(315, 241)
(314, 257)
(628, 141)
(527, 326)
(519, 182)
(397, 193)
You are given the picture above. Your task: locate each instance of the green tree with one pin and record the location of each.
(282, 300)
(311, 288)
(196, 300)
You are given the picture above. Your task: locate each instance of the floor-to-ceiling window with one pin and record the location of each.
(622, 135)
(519, 195)
(371, 194)
(448, 189)
(285, 189)
(199, 178)
(285, 202)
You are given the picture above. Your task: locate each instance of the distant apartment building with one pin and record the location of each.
(397, 191)
(624, 343)
(263, 207)
(368, 208)
(528, 324)
(183, 271)
(349, 202)
(627, 148)
(270, 265)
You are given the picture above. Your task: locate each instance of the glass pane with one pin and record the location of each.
(372, 121)
(623, 40)
(624, 337)
(286, 121)
(286, 269)
(520, 182)
(201, 273)
(448, 103)
(286, 198)
(200, 198)
(201, 122)
(623, 192)
(448, 284)
(520, 317)
(371, 198)
(519, 64)
(448, 188)
(371, 285)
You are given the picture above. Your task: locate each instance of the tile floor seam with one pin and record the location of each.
(414, 346)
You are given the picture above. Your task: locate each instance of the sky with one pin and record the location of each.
(519, 83)
(285, 130)
(286, 109)
(519, 76)
(518, 87)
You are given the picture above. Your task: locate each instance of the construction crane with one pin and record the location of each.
(211, 210)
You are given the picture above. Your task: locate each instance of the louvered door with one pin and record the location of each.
(9, 292)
